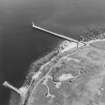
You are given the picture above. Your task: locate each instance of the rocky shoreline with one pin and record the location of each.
(27, 92)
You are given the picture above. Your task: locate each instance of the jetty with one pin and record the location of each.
(58, 35)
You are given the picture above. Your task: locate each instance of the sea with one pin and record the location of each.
(21, 45)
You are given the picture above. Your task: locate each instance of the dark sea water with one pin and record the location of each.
(20, 45)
